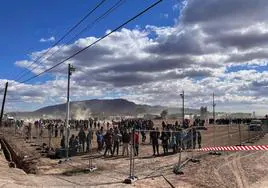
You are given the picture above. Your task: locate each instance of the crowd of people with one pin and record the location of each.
(109, 137)
(124, 134)
(112, 137)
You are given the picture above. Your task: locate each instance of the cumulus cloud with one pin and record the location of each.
(50, 39)
(153, 64)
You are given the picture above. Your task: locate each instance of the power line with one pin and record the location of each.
(56, 43)
(98, 40)
(89, 26)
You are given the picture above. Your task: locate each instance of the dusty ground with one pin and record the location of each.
(233, 169)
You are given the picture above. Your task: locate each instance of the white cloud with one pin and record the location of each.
(50, 39)
(152, 65)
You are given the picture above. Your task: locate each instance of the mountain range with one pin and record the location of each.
(96, 107)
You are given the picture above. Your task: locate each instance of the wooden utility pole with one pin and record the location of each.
(3, 104)
(71, 69)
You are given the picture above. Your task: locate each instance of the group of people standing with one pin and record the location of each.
(127, 134)
(110, 137)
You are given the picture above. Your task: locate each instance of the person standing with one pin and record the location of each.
(82, 138)
(62, 142)
(71, 141)
(89, 139)
(95, 125)
(98, 125)
(164, 137)
(155, 134)
(61, 130)
(76, 144)
(194, 137)
(199, 139)
(125, 140)
(136, 142)
(56, 130)
(173, 142)
(100, 140)
(116, 140)
(108, 142)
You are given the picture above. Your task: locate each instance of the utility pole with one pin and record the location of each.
(213, 104)
(70, 70)
(182, 96)
(3, 104)
(214, 125)
(177, 168)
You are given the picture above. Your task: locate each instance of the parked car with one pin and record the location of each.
(255, 125)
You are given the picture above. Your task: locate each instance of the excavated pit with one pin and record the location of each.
(16, 160)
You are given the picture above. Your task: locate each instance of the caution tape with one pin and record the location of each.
(235, 148)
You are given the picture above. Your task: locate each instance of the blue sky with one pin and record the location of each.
(26, 22)
(200, 46)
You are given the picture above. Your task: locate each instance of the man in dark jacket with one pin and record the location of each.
(62, 142)
(165, 137)
(108, 142)
(116, 140)
(155, 134)
(199, 139)
(82, 138)
(89, 139)
(71, 141)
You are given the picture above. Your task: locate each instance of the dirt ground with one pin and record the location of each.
(231, 169)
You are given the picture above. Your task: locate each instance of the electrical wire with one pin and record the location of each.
(89, 26)
(56, 43)
(92, 44)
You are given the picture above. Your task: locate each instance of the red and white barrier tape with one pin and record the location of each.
(235, 148)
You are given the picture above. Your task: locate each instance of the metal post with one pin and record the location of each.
(67, 113)
(229, 135)
(183, 108)
(192, 140)
(214, 126)
(249, 135)
(177, 168)
(179, 163)
(3, 104)
(193, 147)
(213, 109)
(130, 159)
(240, 141)
(132, 178)
(70, 70)
(133, 156)
(91, 168)
(214, 132)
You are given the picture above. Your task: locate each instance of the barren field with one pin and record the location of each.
(231, 169)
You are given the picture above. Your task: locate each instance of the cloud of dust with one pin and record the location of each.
(80, 111)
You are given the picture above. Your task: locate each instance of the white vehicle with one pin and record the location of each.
(255, 125)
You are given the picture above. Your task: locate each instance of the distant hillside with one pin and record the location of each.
(95, 107)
